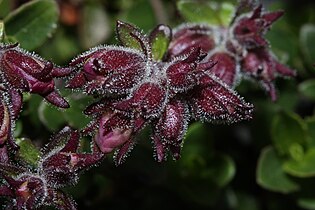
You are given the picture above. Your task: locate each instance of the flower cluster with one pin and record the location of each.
(162, 80)
(60, 163)
(138, 87)
(240, 49)
(23, 72)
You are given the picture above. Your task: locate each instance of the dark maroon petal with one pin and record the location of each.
(109, 70)
(77, 81)
(226, 68)
(170, 129)
(59, 141)
(4, 154)
(7, 169)
(147, 100)
(217, 103)
(55, 99)
(5, 120)
(73, 142)
(61, 72)
(249, 30)
(16, 101)
(282, 70)
(99, 106)
(181, 76)
(271, 17)
(187, 37)
(6, 191)
(173, 122)
(122, 153)
(262, 66)
(257, 12)
(160, 151)
(175, 150)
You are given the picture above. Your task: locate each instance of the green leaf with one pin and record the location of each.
(28, 151)
(130, 36)
(220, 171)
(307, 42)
(306, 203)
(206, 12)
(1, 31)
(307, 88)
(270, 174)
(32, 23)
(50, 116)
(288, 132)
(160, 38)
(311, 131)
(302, 168)
(74, 116)
(5, 7)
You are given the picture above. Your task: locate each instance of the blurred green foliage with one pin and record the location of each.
(265, 164)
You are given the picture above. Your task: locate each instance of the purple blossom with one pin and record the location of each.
(164, 95)
(234, 47)
(25, 72)
(60, 163)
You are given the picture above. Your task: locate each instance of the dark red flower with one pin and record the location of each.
(234, 47)
(108, 70)
(25, 72)
(261, 65)
(227, 67)
(59, 166)
(189, 36)
(249, 29)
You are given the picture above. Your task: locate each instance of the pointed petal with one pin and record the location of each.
(187, 37)
(282, 70)
(271, 17)
(72, 142)
(122, 153)
(77, 81)
(61, 72)
(160, 151)
(57, 100)
(173, 123)
(58, 140)
(17, 102)
(6, 191)
(225, 69)
(147, 100)
(257, 12)
(218, 103)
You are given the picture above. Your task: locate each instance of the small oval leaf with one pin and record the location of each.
(307, 42)
(301, 168)
(160, 38)
(131, 36)
(28, 151)
(32, 23)
(270, 174)
(307, 88)
(288, 130)
(1, 31)
(206, 12)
